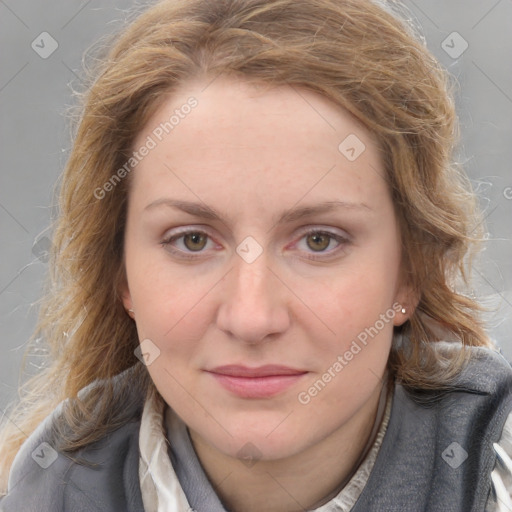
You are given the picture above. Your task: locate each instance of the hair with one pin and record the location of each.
(361, 55)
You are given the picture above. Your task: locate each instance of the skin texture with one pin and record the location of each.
(250, 154)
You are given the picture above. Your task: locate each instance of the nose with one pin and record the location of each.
(253, 306)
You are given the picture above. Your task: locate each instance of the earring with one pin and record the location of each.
(131, 310)
(403, 311)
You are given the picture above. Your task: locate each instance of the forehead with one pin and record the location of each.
(282, 143)
(230, 110)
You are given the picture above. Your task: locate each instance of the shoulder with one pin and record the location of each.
(94, 478)
(482, 369)
(483, 382)
(486, 370)
(438, 450)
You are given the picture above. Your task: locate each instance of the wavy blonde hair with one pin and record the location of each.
(358, 54)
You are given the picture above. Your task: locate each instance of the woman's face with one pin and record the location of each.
(262, 257)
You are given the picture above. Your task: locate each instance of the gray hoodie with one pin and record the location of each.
(437, 454)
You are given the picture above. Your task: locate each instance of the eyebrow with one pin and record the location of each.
(291, 215)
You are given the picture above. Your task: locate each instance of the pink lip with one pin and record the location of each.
(261, 382)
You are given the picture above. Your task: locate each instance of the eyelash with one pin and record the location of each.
(341, 240)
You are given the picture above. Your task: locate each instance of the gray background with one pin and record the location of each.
(35, 93)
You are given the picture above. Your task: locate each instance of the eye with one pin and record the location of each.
(195, 241)
(315, 243)
(184, 243)
(318, 241)
(323, 243)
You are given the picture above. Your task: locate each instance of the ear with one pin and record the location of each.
(123, 291)
(406, 301)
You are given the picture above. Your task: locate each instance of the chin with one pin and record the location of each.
(266, 441)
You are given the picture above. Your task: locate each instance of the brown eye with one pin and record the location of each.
(318, 241)
(195, 241)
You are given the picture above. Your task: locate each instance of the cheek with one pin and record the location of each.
(350, 301)
(351, 360)
(171, 306)
(352, 355)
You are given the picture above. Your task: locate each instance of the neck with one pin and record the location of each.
(303, 481)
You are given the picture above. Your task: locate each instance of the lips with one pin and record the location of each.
(260, 382)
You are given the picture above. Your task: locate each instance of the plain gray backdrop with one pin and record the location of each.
(41, 63)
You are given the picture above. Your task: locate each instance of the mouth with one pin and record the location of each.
(261, 382)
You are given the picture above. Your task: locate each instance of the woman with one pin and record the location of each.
(254, 302)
